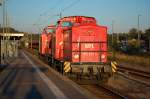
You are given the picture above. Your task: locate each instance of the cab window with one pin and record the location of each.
(50, 30)
(66, 24)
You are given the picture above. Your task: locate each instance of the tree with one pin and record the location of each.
(133, 33)
(147, 32)
(123, 36)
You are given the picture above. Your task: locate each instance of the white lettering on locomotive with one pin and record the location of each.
(88, 54)
(89, 46)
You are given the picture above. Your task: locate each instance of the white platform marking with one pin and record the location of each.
(56, 91)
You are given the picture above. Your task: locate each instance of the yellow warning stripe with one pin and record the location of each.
(67, 67)
(67, 70)
(113, 65)
(113, 70)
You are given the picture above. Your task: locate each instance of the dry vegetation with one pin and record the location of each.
(133, 59)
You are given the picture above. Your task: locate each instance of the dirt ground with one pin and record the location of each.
(130, 87)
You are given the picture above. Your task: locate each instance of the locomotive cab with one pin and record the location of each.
(46, 41)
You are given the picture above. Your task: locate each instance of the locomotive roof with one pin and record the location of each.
(50, 26)
(78, 16)
(62, 19)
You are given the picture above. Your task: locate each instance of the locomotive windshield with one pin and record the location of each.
(66, 24)
(50, 30)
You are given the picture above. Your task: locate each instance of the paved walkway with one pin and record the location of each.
(28, 78)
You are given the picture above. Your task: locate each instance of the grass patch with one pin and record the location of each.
(132, 59)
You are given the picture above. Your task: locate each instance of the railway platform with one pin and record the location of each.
(27, 77)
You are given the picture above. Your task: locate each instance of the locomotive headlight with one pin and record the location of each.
(76, 56)
(60, 43)
(103, 56)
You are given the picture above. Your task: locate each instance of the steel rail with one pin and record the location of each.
(134, 71)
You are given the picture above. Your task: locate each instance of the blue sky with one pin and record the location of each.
(23, 14)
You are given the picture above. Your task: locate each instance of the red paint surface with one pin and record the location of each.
(84, 41)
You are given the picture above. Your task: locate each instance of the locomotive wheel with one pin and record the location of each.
(90, 72)
(50, 62)
(62, 67)
(55, 65)
(102, 76)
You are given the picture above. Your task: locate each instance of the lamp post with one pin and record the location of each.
(4, 51)
(112, 33)
(138, 24)
(2, 3)
(113, 49)
(3, 39)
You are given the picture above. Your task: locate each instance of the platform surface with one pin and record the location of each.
(27, 77)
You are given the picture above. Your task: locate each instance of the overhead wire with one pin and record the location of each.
(56, 6)
(52, 8)
(70, 5)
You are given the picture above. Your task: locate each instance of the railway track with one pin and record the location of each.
(136, 75)
(100, 90)
(107, 92)
(134, 71)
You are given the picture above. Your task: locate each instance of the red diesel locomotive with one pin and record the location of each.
(46, 40)
(76, 43)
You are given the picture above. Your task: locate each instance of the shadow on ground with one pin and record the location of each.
(33, 93)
